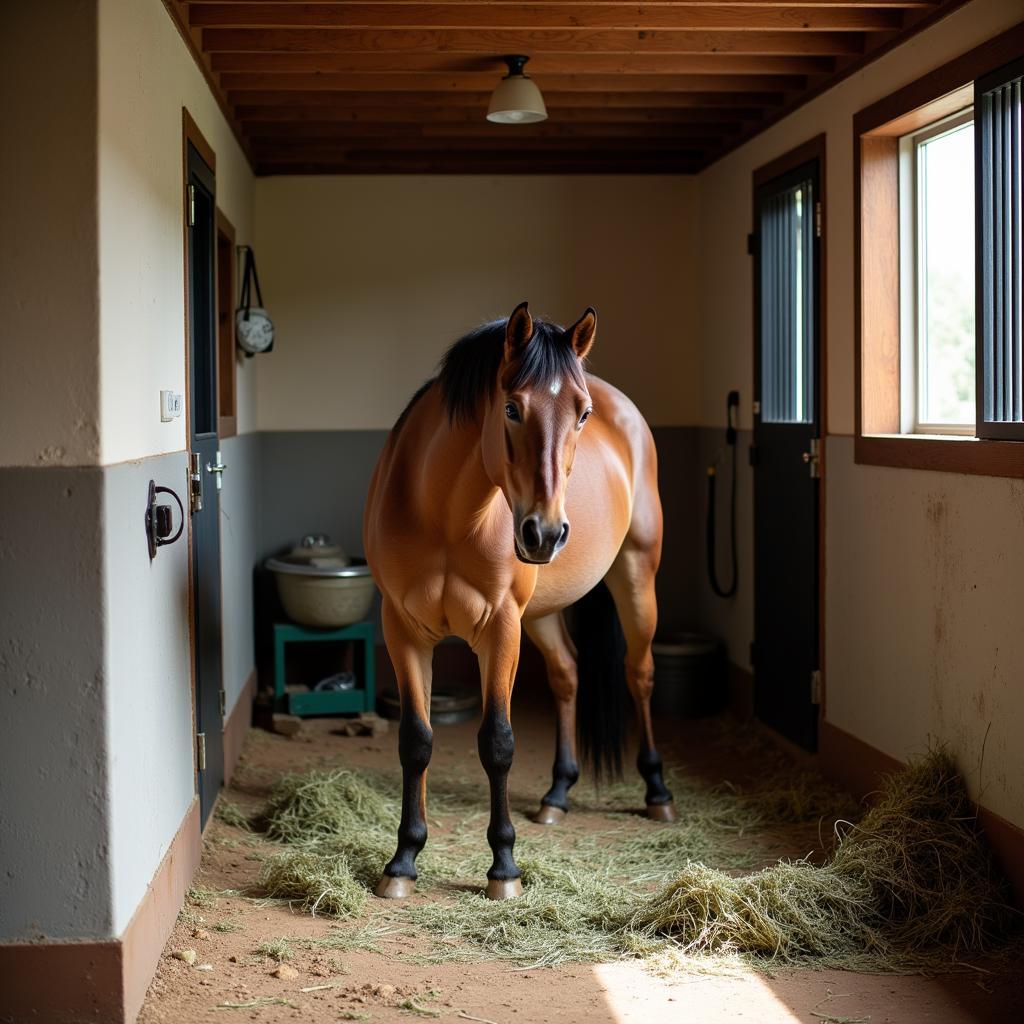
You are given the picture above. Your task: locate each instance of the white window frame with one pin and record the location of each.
(912, 296)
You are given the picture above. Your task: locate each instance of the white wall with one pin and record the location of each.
(912, 648)
(146, 76)
(370, 279)
(49, 343)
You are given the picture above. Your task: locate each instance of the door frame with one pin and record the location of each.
(812, 149)
(190, 133)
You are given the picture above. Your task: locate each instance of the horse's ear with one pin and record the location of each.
(583, 332)
(518, 331)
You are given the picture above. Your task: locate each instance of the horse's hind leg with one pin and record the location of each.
(412, 662)
(553, 641)
(631, 581)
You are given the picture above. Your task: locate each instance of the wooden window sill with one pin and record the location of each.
(941, 453)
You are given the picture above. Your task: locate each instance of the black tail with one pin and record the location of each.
(601, 698)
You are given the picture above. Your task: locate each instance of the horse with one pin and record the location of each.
(467, 533)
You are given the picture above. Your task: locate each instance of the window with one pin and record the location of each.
(938, 262)
(937, 292)
(1000, 349)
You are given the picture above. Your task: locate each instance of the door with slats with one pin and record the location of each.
(786, 453)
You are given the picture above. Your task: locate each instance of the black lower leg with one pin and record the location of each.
(415, 743)
(564, 774)
(496, 745)
(649, 765)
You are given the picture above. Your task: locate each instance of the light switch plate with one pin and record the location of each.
(170, 405)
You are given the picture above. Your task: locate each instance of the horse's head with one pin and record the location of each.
(540, 406)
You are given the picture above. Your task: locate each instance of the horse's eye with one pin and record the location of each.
(584, 417)
(512, 412)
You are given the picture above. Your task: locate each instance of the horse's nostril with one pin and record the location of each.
(565, 534)
(531, 534)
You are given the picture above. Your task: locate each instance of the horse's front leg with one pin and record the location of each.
(412, 662)
(498, 652)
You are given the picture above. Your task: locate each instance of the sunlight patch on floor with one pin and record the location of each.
(635, 996)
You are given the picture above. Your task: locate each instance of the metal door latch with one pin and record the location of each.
(217, 469)
(195, 483)
(813, 457)
(816, 686)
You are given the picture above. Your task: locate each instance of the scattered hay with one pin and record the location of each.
(257, 1003)
(911, 881)
(231, 814)
(315, 881)
(277, 949)
(911, 885)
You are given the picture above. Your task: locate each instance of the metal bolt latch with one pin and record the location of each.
(813, 458)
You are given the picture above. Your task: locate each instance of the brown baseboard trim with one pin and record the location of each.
(103, 980)
(55, 982)
(740, 684)
(858, 766)
(144, 938)
(237, 724)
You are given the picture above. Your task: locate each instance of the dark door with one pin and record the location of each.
(786, 453)
(204, 465)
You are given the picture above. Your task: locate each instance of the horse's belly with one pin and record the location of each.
(594, 543)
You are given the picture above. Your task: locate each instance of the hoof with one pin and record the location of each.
(504, 889)
(662, 812)
(549, 814)
(391, 888)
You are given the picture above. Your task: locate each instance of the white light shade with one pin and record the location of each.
(517, 100)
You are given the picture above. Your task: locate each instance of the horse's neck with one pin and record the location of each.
(463, 496)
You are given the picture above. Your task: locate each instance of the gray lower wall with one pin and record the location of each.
(54, 815)
(316, 482)
(732, 618)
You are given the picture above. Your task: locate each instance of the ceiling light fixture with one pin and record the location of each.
(516, 100)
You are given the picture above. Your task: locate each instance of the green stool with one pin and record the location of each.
(330, 702)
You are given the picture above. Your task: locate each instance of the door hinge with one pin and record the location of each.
(816, 686)
(813, 458)
(201, 751)
(195, 483)
(752, 244)
(191, 205)
(817, 220)
(223, 705)
(757, 409)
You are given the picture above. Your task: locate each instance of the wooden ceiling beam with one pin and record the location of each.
(483, 131)
(808, 44)
(255, 117)
(478, 163)
(560, 63)
(239, 82)
(517, 17)
(452, 99)
(277, 148)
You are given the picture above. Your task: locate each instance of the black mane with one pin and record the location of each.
(469, 369)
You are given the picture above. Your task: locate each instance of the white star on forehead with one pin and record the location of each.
(556, 386)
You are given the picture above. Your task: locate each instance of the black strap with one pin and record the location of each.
(249, 276)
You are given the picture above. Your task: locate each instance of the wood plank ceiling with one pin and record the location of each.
(390, 86)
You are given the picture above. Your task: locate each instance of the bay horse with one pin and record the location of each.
(467, 533)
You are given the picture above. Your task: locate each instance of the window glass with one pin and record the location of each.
(945, 277)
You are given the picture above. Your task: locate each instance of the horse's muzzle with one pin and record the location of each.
(538, 542)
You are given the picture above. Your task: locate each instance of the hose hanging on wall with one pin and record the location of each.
(732, 406)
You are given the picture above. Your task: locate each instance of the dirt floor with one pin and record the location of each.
(230, 979)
